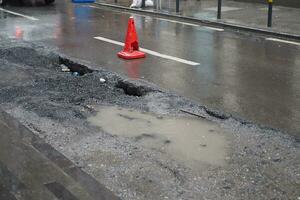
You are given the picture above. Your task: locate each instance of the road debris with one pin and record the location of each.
(102, 80)
(191, 113)
(64, 68)
(76, 74)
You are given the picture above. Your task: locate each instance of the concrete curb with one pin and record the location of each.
(216, 24)
(94, 188)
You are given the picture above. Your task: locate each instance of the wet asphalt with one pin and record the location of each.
(56, 106)
(75, 157)
(242, 74)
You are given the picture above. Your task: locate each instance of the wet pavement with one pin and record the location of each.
(31, 169)
(242, 74)
(60, 149)
(64, 110)
(254, 15)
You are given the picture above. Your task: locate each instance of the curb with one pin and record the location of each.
(93, 187)
(216, 24)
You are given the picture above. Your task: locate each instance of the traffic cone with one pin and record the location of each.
(131, 48)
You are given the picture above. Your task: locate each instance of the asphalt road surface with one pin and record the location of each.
(128, 136)
(253, 77)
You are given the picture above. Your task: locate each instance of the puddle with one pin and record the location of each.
(192, 141)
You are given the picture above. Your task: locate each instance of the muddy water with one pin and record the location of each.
(191, 141)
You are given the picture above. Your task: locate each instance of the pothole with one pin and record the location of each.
(131, 89)
(191, 141)
(75, 67)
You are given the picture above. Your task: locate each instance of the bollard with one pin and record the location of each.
(270, 12)
(143, 3)
(219, 9)
(177, 6)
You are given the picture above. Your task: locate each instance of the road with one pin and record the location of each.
(253, 77)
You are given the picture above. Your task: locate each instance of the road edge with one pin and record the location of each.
(216, 24)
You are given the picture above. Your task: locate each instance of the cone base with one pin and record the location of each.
(131, 55)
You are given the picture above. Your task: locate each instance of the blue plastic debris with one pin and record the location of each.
(75, 74)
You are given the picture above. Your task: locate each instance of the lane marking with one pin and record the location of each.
(213, 28)
(154, 53)
(178, 22)
(19, 14)
(283, 41)
(169, 20)
(94, 7)
(109, 41)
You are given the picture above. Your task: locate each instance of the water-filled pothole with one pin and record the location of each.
(192, 141)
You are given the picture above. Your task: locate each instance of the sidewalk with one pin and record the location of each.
(33, 169)
(254, 15)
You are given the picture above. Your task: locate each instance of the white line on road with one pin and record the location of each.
(19, 14)
(284, 41)
(173, 21)
(158, 18)
(94, 7)
(213, 28)
(109, 41)
(154, 53)
(189, 24)
(178, 22)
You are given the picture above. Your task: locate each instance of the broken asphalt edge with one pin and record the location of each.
(141, 87)
(144, 87)
(216, 24)
(112, 79)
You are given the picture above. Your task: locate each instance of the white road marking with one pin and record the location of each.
(19, 14)
(213, 28)
(94, 7)
(178, 22)
(173, 21)
(109, 41)
(154, 53)
(284, 41)
(189, 24)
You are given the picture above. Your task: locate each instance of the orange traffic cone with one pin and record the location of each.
(131, 48)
